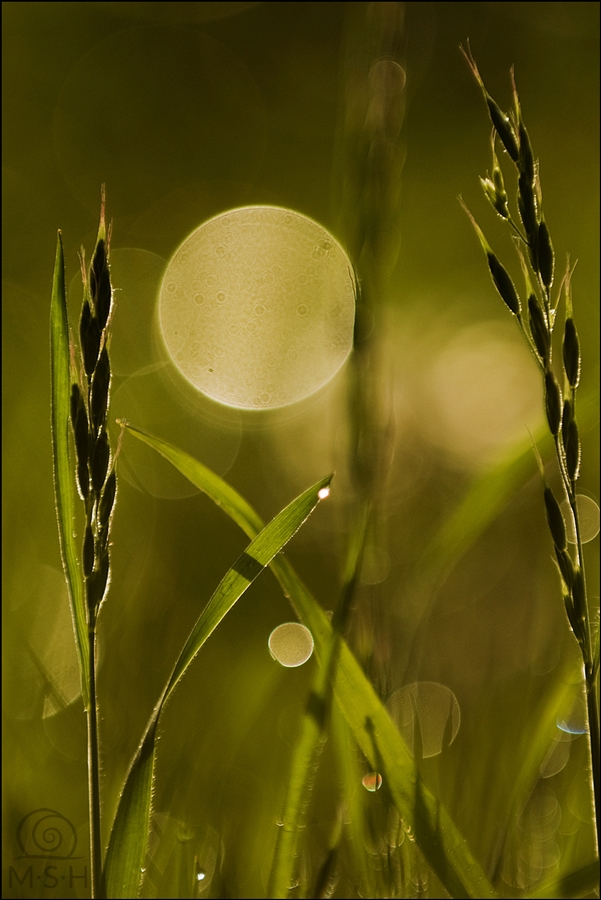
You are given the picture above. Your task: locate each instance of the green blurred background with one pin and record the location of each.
(186, 110)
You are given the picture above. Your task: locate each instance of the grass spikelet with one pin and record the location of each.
(557, 526)
(552, 402)
(571, 353)
(538, 328)
(500, 120)
(546, 258)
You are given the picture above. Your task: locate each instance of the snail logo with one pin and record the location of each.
(46, 834)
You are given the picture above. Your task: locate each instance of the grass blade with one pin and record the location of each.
(249, 564)
(127, 846)
(442, 844)
(63, 468)
(312, 731)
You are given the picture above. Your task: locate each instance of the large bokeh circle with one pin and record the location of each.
(257, 307)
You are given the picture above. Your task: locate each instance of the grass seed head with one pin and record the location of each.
(526, 160)
(97, 267)
(575, 623)
(566, 417)
(102, 575)
(103, 301)
(75, 397)
(566, 566)
(538, 328)
(88, 551)
(557, 526)
(100, 460)
(108, 499)
(497, 200)
(89, 333)
(553, 402)
(527, 207)
(571, 353)
(503, 283)
(100, 389)
(503, 127)
(545, 255)
(573, 450)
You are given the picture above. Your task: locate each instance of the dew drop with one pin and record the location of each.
(201, 875)
(323, 492)
(372, 781)
(291, 644)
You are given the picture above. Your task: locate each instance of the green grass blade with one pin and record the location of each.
(127, 845)
(442, 844)
(126, 852)
(216, 488)
(312, 731)
(63, 469)
(257, 555)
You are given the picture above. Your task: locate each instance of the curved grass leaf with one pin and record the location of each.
(127, 846)
(312, 730)
(442, 844)
(63, 469)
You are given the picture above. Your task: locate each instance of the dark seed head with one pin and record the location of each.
(573, 452)
(538, 327)
(566, 565)
(103, 574)
(557, 525)
(81, 434)
(108, 498)
(83, 479)
(527, 206)
(504, 128)
(571, 353)
(575, 623)
(503, 283)
(75, 396)
(100, 388)
(100, 460)
(566, 418)
(89, 331)
(103, 299)
(526, 162)
(98, 264)
(546, 259)
(552, 401)
(88, 552)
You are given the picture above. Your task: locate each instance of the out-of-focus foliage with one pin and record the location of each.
(185, 111)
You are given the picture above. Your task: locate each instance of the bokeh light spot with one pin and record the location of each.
(429, 706)
(291, 644)
(278, 323)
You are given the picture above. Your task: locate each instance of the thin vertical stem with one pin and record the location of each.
(94, 773)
